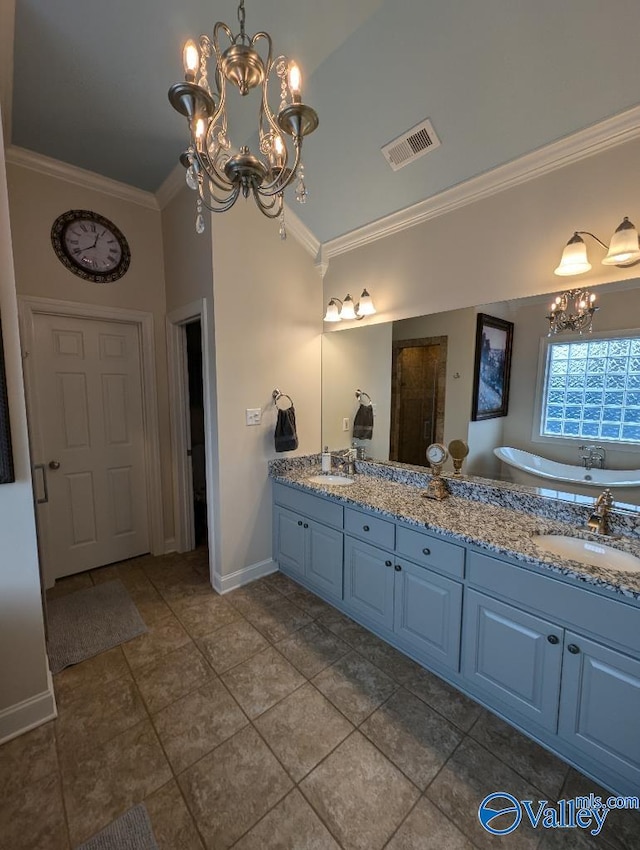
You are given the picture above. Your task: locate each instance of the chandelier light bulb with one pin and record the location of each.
(190, 60)
(295, 82)
(199, 129)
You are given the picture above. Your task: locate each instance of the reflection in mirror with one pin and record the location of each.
(363, 357)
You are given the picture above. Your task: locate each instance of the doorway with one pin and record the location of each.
(193, 340)
(190, 355)
(418, 380)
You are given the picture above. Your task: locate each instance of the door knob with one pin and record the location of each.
(54, 464)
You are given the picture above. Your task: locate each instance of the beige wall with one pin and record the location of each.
(268, 323)
(25, 699)
(188, 271)
(502, 247)
(357, 358)
(36, 200)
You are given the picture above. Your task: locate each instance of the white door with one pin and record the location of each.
(90, 430)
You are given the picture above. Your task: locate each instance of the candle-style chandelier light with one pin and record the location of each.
(572, 311)
(218, 172)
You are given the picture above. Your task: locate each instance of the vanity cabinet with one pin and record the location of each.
(513, 657)
(310, 550)
(600, 704)
(306, 548)
(419, 606)
(558, 660)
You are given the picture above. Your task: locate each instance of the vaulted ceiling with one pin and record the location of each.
(498, 79)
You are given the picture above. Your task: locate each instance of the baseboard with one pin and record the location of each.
(170, 545)
(223, 584)
(28, 714)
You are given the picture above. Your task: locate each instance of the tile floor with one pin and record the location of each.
(265, 719)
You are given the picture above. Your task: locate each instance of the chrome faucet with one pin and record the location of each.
(594, 456)
(347, 460)
(598, 522)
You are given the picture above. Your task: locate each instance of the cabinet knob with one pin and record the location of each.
(388, 563)
(426, 551)
(554, 639)
(365, 528)
(299, 522)
(573, 649)
(398, 568)
(306, 525)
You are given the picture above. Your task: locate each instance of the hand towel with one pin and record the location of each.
(363, 422)
(286, 438)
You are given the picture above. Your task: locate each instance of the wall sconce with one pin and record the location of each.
(623, 251)
(349, 310)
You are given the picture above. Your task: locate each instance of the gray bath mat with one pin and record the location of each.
(131, 831)
(90, 621)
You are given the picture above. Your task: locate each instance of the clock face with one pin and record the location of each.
(90, 246)
(437, 454)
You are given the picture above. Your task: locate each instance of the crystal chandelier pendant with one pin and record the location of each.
(283, 227)
(191, 178)
(302, 193)
(200, 225)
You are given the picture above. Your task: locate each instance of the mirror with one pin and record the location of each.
(366, 359)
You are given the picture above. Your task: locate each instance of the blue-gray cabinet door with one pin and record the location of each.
(324, 559)
(428, 610)
(513, 658)
(368, 581)
(600, 705)
(291, 537)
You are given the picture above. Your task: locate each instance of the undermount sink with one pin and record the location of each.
(338, 480)
(587, 552)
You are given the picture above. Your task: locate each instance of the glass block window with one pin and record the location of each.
(592, 390)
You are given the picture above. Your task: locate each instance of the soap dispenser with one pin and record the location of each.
(326, 460)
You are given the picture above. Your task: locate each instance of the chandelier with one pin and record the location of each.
(217, 171)
(561, 318)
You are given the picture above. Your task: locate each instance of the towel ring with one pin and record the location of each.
(277, 395)
(359, 394)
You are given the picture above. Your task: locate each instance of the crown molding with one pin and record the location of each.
(173, 183)
(609, 133)
(80, 177)
(301, 233)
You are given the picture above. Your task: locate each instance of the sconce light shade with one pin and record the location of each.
(333, 313)
(366, 308)
(624, 248)
(574, 257)
(348, 308)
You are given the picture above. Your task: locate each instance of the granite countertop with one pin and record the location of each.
(504, 531)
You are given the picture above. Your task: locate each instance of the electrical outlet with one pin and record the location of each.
(345, 423)
(253, 415)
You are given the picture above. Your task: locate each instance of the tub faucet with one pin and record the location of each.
(594, 456)
(598, 522)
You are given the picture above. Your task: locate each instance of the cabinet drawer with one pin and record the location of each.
(596, 614)
(370, 528)
(312, 506)
(431, 552)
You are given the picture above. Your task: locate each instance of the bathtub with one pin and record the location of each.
(550, 469)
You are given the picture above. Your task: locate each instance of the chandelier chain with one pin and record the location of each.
(241, 20)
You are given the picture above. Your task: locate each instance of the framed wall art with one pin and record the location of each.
(494, 339)
(6, 456)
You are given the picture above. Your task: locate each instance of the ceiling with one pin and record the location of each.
(498, 79)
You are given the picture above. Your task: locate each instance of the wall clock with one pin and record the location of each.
(90, 246)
